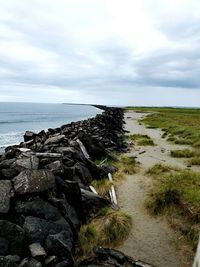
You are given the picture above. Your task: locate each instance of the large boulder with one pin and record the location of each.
(6, 192)
(55, 139)
(61, 245)
(13, 235)
(26, 161)
(39, 208)
(92, 203)
(29, 136)
(37, 229)
(32, 181)
(4, 262)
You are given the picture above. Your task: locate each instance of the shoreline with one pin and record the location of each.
(44, 190)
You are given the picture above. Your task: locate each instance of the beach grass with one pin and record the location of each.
(141, 139)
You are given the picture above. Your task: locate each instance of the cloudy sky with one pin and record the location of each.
(131, 52)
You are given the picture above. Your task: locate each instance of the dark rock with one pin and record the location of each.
(37, 251)
(56, 167)
(54, 139)
(5, 164)
(8, 173)
(30, 263)
(65, 263)
(6, 192)
(14, 234)
(73, 195)
(26, 161)
(104, 169)
(61, 245)
(39, 208)
(51, 261)
(31, 181)
(37, 229)
(4, 262)
(83, 173)
(4, 245)
(13, 258)
(92, 202)
(29, 136)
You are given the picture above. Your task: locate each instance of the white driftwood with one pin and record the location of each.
(83, 149)
(93, 189)
(112, 193)
(48, 154)
(197, 257)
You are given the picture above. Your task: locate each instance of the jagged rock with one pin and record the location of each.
(104, 169)
(72, 192)
(51, 261)
(29, 136)
(6, 192)
(4, 245)
(54, 139)
(32, 181)
(8, 173)
(83, 173)
(61, 245)
(37, 229)
(26, 161)
(65, 263)
(92, 202)
(14, 234)
(30, 263)
(5, 164)
(56, 167)
(38, 207)
(13, 258)
(4, 262)
(37, 251)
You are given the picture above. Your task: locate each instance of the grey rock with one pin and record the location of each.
(37, 251)
(54, 139)
(4, 245)
(61, 245)
(37, 229)
(6, 192)
(4, 262)
(14, 234)
(32, 181)
(29, 136)
(26, 161)
(39, 208)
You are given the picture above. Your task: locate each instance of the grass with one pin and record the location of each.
(141, 139)
(184, 153)
(126, 165)
(110, 228)
(177, 194)
(179, 125)
(160, 169)
(194, 161)
(102, 186)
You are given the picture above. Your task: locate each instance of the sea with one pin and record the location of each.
(16, 118)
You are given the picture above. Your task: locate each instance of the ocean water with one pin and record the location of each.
(16, 118)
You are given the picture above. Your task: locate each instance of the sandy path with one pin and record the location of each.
(151, 238)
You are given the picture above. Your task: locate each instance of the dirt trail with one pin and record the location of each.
(151, 238)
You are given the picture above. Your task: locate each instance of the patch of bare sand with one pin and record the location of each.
(151, 238)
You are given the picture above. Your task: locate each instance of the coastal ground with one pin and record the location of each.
(151, 238)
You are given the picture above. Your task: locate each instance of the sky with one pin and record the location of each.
(114, 52)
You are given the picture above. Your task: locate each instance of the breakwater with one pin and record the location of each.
(45, 195)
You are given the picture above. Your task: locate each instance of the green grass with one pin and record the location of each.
(102, 186)
(160, 169)
(177, 194)
(110, 228)
(184, 153)
(194, 161)
(126, 165)
(141, 139)
(180, 125)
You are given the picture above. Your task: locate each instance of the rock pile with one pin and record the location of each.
(44, 189)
